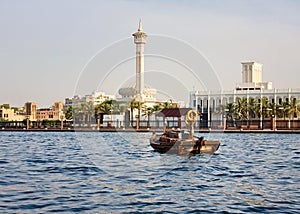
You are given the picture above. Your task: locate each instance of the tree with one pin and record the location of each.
(230, 111)
(241, 108)
(168, 105)
(273, 109)
(78, 113)
(147, 112)
(251, 105)
(294, 109)
(106, 107)
(69, 113)
(134, 104)
(132, 107)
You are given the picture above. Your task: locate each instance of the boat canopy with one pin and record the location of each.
(173, 112)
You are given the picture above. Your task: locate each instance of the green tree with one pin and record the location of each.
(106, 108)
(78, 115)
(230, 111)
(69, 113)
(241, 108)
(147, 112)
(294, 110)
(134, 104)
(251, 107)
(168, 105)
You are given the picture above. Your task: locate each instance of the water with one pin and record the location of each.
(43, 172)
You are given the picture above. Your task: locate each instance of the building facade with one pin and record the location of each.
(30, 110)
(96, 98)
(208, 103)
(54, 113)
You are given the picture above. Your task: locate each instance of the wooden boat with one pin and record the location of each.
(179, 142)
(171, 143)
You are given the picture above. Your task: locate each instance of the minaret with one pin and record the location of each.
(139, 40)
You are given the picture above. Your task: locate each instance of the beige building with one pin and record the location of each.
(53, 113)
(10, 114)
(30, 110)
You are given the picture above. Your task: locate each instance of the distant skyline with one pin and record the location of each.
(44, 45)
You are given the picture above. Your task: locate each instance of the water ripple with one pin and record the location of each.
(120, 173)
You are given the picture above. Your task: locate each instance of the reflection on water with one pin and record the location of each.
(119, 172)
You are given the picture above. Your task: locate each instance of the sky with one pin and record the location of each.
(47, 48)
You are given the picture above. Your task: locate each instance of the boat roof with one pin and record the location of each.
(173, 112)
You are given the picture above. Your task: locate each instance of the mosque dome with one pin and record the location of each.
(130, 91)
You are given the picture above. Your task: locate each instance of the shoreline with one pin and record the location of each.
(244, 131)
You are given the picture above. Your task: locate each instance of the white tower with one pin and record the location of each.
(140, 40)
(252, 72)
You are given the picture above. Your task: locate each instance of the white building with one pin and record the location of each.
(95, 98)
(252, 77)
(207, 102)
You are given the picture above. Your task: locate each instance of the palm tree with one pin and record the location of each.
(167, 105)
(230, 112)
(147, 112)
(88, 110)
(241, 108)
(132, 107)
(134, 104)
(106, 107)
(294, 109)
(156, 109)
(78, 114)
(251, 107)
(265, 107)
(273, 109)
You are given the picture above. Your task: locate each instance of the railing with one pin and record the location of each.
(267, 123)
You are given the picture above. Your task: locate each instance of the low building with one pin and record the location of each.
(53, 113)
(10, 114)
(30, 111)
(95, 98)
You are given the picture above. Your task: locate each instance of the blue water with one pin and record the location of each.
(43, 172)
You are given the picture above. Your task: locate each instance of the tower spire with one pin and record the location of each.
(140, 26)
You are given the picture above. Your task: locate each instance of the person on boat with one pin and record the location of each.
(199, 144)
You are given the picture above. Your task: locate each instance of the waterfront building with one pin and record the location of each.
(252, 77)
(10, 114)
(30, 110)
(53, 113)
(209, 103)
(95, 98)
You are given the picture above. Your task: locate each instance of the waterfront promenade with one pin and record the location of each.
(109, 129)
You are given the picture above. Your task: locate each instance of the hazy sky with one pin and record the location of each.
(45, 45)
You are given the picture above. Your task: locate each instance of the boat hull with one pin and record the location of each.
(183, 146)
